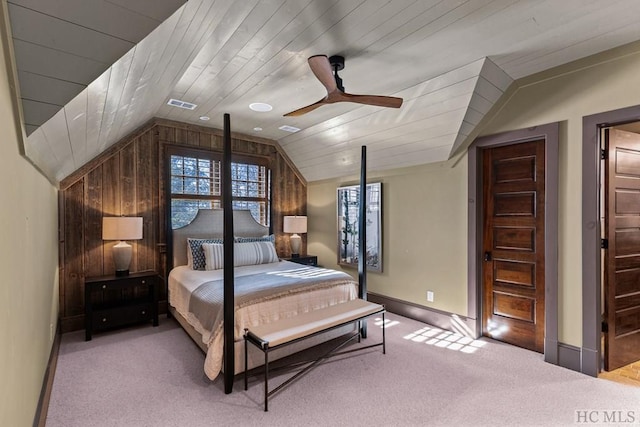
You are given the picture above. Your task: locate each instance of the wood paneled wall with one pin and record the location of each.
(128, 179)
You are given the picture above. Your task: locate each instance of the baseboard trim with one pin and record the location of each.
(449, 321)
(72, 323)
(569, 357)
(40, 417)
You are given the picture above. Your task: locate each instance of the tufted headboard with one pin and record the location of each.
(208, 223)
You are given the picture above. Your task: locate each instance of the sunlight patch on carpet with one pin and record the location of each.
(445, 339)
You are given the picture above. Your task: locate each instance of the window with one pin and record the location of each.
(196, 182)
(348, 201)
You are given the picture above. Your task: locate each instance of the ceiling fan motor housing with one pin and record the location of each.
(336, 61)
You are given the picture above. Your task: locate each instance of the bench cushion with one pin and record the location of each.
(289, 329)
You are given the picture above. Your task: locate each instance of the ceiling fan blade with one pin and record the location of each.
(304, 110)
(380, 101)
(321, 67)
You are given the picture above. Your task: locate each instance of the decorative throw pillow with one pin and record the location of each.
(195, 254)
(250, 253)
(247, 253)
(270, 238)
(214, 255)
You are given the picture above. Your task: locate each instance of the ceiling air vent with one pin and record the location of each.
(288, 128)
(181, 104)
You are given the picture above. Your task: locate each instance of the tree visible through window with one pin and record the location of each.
(196, 182)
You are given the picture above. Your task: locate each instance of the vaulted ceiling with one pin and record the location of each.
(92, 71)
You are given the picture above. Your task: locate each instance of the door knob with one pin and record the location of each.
(487, 256)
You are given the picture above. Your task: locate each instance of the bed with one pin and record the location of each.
(266, 289)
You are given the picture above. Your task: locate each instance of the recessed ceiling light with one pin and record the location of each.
(205, 118)
(260, 106)
(288, 128)
(257, 129)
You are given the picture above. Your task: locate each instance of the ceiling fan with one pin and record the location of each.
(326, 70)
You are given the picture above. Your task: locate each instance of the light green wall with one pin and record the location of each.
(424, 233)
(29, 271)
(425, 208)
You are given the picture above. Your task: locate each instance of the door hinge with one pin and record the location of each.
(603, 154)
(605, 327)
(604, 243)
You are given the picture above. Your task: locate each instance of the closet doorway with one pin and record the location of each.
(515, 241)
(620, 213)
(513, 281)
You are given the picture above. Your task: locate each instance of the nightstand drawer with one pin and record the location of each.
(123, 283)
(120, 316)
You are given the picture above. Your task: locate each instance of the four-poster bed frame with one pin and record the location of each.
(179, 240)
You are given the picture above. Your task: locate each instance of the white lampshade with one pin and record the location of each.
(295, 224)
(122, 228)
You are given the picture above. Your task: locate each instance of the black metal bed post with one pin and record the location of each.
(362, 233)
(271, 225)
(229, 297)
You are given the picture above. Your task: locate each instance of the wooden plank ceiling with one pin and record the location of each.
(450, 60)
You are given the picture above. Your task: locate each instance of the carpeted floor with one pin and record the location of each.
(144, 376)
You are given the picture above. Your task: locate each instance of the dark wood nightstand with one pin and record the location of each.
(306, 260)
(113, 301)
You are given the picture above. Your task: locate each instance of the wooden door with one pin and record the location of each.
(622, 256)
(513, 244)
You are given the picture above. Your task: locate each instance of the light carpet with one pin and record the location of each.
(145, 376)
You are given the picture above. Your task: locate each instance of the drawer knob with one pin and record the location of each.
(144, 312)
(144, 281)
(104, 319)
(104, 286)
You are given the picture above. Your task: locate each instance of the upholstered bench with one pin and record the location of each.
(283, 332)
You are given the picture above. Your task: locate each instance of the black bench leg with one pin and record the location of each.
(266, 379)
(246, 359)
(384, 349)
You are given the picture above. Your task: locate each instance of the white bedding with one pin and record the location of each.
(183, 281)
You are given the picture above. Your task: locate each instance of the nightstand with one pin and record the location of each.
(306, 260)
(113, 301)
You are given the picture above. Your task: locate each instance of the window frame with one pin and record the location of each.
(215, 156)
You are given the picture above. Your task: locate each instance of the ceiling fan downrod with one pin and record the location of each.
(337, 63)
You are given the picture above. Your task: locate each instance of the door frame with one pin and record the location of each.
(550, 133)
(591, 283)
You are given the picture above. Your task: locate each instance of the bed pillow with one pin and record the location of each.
(195, 254)
(271, 238)
(247, 253)
(251, 253)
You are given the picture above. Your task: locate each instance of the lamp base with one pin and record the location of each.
(295, 241)
(122, 258)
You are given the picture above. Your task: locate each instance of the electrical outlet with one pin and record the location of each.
(430, 296)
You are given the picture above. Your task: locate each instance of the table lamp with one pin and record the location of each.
(122, 228)
(295, 225)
